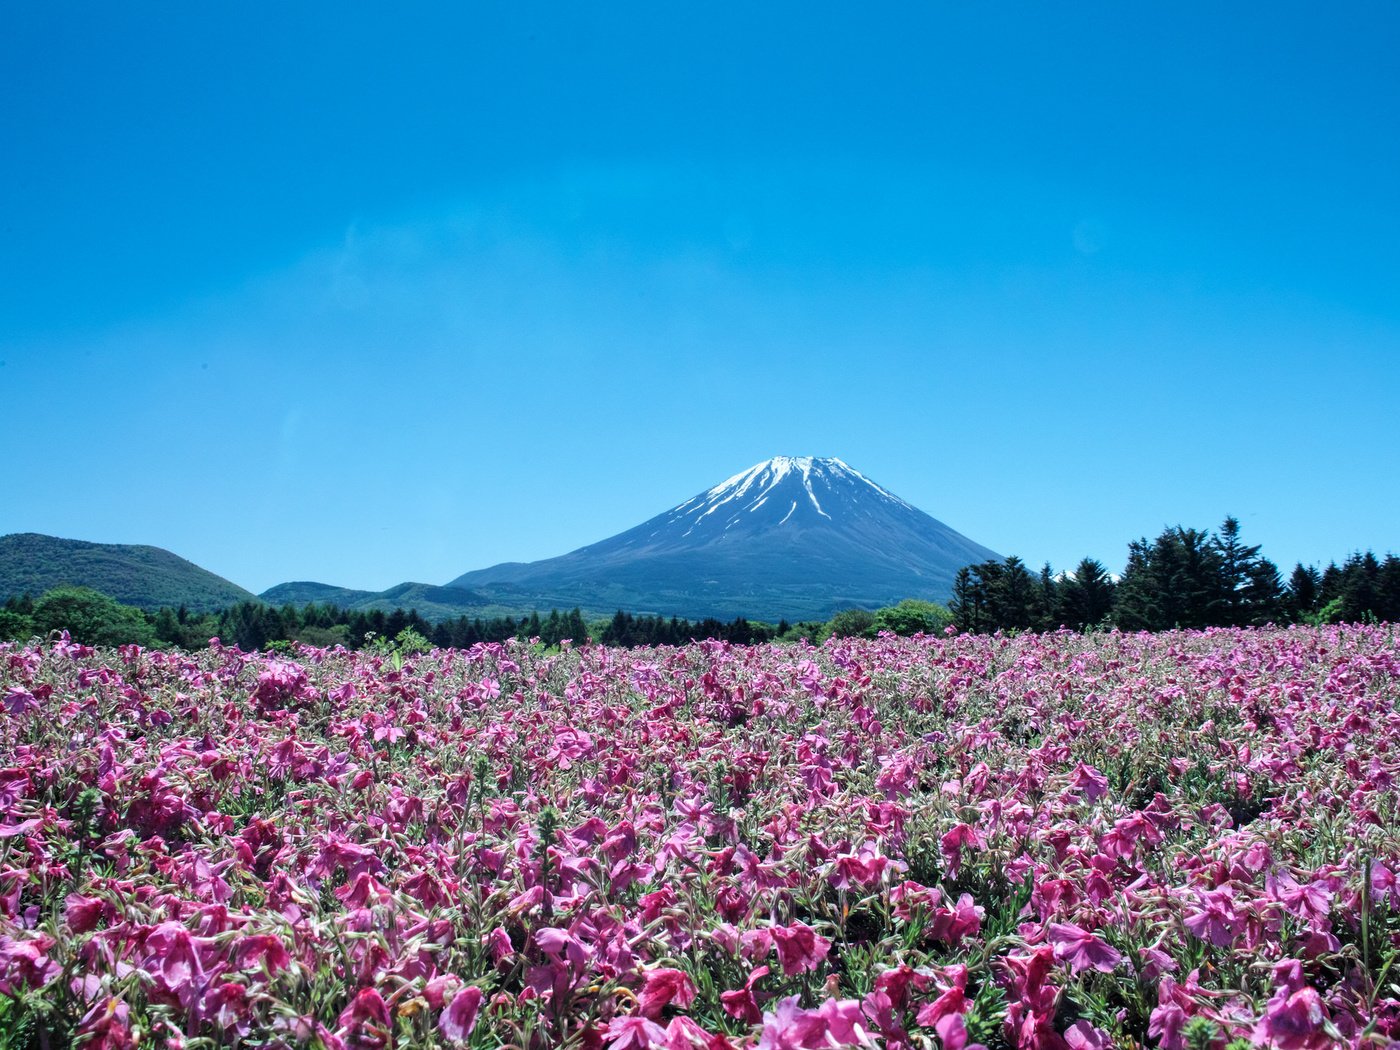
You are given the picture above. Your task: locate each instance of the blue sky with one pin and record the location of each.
(361, 295)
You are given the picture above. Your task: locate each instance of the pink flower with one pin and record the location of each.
(177, 958)
(951, 925)
(1169, 1018)
(740, 1002)
(498, 943)
(458, 1020)
(19, 700)
(684, 1034)
(227, 1005)
(1294, 1021)
(1090, 781)
(800, 948)
(561, 943)
(1083, 1036)
(836, 1023)
(634, 1033)
(261, 951)
(83, 913)
(952, 1031)
(105, 1027)
(1311, 902)
(364, 1024)
(951, 845)
(437, 990)
(954, 1000)
(863, 869)
(25, 964)
(1080, 949)
(1214, 918)
(663, 987)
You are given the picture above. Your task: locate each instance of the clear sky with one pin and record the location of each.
(369, 293)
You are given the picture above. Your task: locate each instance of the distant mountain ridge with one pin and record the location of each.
(133, 574)
(793, 537)
(431, 602)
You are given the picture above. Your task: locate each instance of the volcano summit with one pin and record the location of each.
(793, 537)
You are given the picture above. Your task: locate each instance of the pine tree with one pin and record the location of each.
(1265, 597)
(1304, 589)
(964, 602)
(1047, 612)
(1388, 590)
(1236, 560)
(1361, 588)
(1087, 596)
(1014, 598)
(1135, 605)
(577, 630)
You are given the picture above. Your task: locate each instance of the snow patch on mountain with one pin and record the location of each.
(748, 491)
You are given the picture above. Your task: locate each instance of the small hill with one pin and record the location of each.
(147, 577)
(430, 601)
(305, 592)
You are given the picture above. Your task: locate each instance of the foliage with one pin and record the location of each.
(91, 618)
(853, 623)
(15, 625)
(912, 616)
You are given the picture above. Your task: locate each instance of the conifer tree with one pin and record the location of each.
(1087, 595)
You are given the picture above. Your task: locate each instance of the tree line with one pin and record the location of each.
(1184, 578)
(97, 619)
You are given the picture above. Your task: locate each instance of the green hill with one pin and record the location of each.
(431, 602)
(147, 577)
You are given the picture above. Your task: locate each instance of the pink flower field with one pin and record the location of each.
(1176, 840)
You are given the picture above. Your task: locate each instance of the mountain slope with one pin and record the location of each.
(792, 537)
(148, 577)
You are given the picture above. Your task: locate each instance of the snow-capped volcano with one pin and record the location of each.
(789, 487)
(793, 536)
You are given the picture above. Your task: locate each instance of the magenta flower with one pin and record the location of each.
(1214, 917)
(82, 914)
(105, 1027)
(952, 843)
(176, 956)
(1294, 1021)
(25, 964)
(951, 925)
(227, 1005)
(457, 1021)
(364, 1024)
(863, 869)
(1083, 1036)
(800, 948)
(634, 1033)
(1080, 949)
(684, 1034)
(740, 1002)
(1089, 781)
(664, 987)
(497, 941)
(836, 1023)
(261, 951)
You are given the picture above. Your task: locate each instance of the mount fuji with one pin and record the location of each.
(793, 537)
